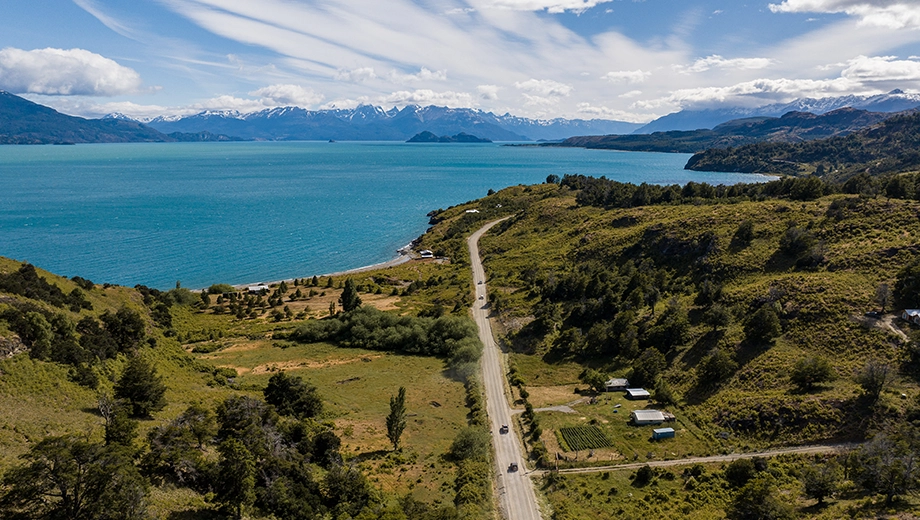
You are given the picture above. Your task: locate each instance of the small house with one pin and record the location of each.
(257, 289)
(426, 253)
(911, 315)
(472, 211)
(645, 417)
(617, 384)
(663, 433)
(637, 393)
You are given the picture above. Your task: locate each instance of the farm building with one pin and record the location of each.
(663, 433)
(911, 315)
(644, 417)
(637, 393)
(257, 289)
(617, 384)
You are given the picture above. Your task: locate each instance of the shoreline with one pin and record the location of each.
(404, 255)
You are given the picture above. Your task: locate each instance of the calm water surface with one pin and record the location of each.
(206, 213)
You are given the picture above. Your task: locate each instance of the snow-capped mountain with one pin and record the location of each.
(894, 101)
(367, 122)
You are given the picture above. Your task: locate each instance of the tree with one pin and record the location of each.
(552, 179)
(594, 379)
(205, 299)
(718, 317)
(889, 463)
(715, 368)
(744, 234)
(350, 299)
(883, 295)
(125, 326)
(291, 395)
(907, 283)
(141, 387)
(36, 332)
(874, 377)
(810, 372)
(471, 443)
(821, 481)
(69, 478)
(236, 476)
(396, 421)
(757, 500)
(763, 326)
(647, 367)
(740, 472)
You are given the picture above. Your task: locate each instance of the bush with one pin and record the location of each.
(763, 326)
(812, 371)
(471, 443)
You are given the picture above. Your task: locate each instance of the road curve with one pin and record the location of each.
(516, 496)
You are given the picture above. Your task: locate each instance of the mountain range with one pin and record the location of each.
(792, 127)
(894, 101)
(368, 122)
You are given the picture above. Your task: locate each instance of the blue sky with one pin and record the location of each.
(613, 59)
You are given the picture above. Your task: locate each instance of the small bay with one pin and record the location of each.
(204, 213)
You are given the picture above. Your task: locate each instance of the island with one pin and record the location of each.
(462, 137)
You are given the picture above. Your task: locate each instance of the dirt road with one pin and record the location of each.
(816, 448)
(517, 498)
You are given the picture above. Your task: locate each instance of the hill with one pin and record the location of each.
(25, 122)
(745, 316)
(890, 147)
(156, 394)
(428, 137)
(791, 127)
(894, 101)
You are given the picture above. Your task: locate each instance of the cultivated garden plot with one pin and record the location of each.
(609, 419)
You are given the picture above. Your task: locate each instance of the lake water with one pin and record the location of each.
(205, 213)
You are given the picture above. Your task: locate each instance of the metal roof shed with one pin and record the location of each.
(637, 393)
(642, 417)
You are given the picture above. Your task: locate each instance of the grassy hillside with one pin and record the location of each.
(712, 304)
(206, 355)
(890, 147)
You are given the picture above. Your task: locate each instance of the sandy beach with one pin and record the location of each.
(405, 255)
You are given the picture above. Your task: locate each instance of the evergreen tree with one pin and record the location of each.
(68, 478)
(237, 476)
(141, 387)
(396, 421)
(350, 299)
(290, 395)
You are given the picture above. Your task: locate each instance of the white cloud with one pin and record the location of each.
(551, 6)
(545, 87)
(881, 68)
(894, 14)
(422, 75)
(627, 76)
(358, 75)
(716, 61)
(539, 101)
(488, 92)
(64, 72)
(752, 93)
(277, 95)
(631, 94)
(428, 97)
(603, 112)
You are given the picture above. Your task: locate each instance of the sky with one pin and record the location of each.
(627, 60)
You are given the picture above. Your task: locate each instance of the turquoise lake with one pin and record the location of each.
(204, 213)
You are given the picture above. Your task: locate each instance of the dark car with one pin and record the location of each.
(503, 430)
(513, 467)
